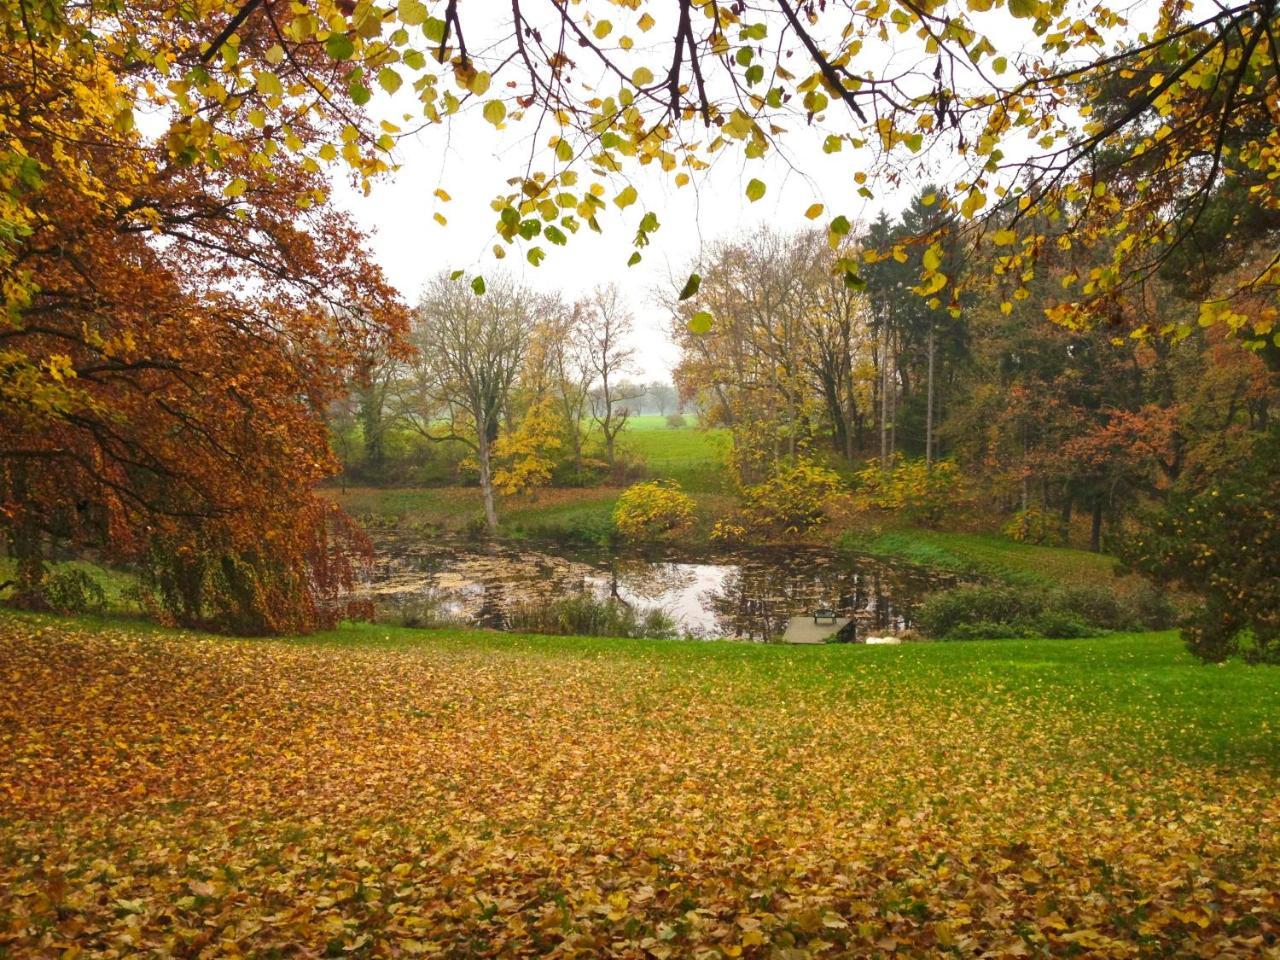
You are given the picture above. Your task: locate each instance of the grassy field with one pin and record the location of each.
(689, 455)
(379, 792)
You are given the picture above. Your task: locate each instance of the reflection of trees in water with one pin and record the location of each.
(650, 580)
(755, 599)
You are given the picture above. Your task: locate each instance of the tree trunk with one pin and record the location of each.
(884, 402)
(26, 548)
(486, 481)
(928, 409)
(1095, 530)
(1025, 474)
(893, 400)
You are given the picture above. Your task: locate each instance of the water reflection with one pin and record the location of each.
(749, 595)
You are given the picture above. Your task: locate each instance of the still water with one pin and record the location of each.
(744, 594)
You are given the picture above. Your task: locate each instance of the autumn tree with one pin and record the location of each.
(605, 330)
(783, 362)
(178, 315)
(470, 348)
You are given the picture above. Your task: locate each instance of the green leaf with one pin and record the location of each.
(634, 259)
(269, 84)
(840, 226)
(755, 190)
(412, 12)
(339, 46)
(564, 151)
(477, 286)
(495, 111)
(700, 322)
(536, 255)
(414, 59)
(389, 80)
(359, 94)
(691, 286)
(433, 29)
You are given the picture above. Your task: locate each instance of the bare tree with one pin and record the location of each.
(662, 397)
(470, 351)
(571, 369)
(606, 330)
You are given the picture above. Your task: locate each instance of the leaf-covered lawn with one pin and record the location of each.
(386, 793)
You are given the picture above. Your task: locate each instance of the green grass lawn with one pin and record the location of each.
(689, 455)
(376, 792)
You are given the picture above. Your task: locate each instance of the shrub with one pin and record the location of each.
(676, 420)
(942, 613)
(1016, 611)
(586, 615)
(986, 630)
(1154, 608)
(1032, 526)
(72, 590)
(796, 497)
(1061, 624)
(653, 510)
(921, 492)
(1095, 605)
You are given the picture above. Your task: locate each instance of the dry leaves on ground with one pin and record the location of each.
(185, 796)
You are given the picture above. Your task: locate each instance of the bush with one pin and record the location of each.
(1062, 625)
(922, 493)
(676, 420)
(72, 590)
(653, 510)
(586, 615)
(1154, 608)
(1096, 606)
(1032, 526)
(965, 613)
(796, 497)
(986, 630)
(942, 613)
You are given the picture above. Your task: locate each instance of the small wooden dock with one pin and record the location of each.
(813, 629)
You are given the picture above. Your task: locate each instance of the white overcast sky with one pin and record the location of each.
(472, 164)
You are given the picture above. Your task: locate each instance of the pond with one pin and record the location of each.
(748, 595)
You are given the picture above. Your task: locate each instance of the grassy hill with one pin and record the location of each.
(381, 792)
